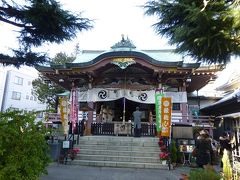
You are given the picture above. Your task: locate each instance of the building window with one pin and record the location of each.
(14, 109)
(16, 95)
(176, 106)
(35, 99)
(40, 115)
(31, 98)
(27, 96)
(18, 80)
(29, 83)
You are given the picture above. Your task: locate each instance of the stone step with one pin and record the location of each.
(115, 151)
(117, 139)
(119, 164)
(92, 157)
(119, 143)
(120, 153)
(117, 147)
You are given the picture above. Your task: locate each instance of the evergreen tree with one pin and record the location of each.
(39, 21)
(47, 91)
(209, 31)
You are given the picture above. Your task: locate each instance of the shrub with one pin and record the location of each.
(23, 148)
(173, 151)
(204, 174)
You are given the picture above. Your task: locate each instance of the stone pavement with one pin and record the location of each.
(72, 172)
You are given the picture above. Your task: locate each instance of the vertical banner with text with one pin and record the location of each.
(166, 113)
(64, 113)
(74, 108)
(158, 99)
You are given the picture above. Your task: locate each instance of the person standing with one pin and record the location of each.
(224, 141)
(204, 149)
(83, 124)
(137, 122)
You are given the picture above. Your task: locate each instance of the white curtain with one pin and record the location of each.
(111, 94)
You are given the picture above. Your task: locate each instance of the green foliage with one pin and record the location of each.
(47, 91)
(203, 174)
(39, 22)
(62, 58)
(208, 32)
(173, 151)
(23, 148)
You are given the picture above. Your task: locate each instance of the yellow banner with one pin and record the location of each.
(166, 108)
(64, 113)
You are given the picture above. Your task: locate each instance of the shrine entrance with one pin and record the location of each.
(117, 107)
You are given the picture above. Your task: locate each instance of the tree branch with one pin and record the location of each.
(9, 11)
(13, 23)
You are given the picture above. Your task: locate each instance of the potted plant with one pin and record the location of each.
(73, 152)
(160, 142)
(164, 157)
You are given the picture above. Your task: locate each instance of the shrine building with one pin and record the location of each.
(111, 84)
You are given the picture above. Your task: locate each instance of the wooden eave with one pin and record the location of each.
(83, 72)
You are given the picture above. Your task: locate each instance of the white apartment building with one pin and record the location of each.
(16, 89)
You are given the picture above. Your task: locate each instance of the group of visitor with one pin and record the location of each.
(206, 148)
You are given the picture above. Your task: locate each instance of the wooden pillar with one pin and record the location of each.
(91, 105)
(90, 118)
(184, 106)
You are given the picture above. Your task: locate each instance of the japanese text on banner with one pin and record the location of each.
(64, 113)
(158, 99)
(166, 113)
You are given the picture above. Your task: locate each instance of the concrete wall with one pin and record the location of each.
(8, 85)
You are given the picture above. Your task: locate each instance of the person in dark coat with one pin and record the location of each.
(137, 122)
(82, 127)
(204, 149)
(224, 142)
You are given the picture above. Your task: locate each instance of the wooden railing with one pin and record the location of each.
(200, 121)
(108, 129)
(102, 128)
(148, 130)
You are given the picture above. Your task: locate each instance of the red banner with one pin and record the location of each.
(74, 108)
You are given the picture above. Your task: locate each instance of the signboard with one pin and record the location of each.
(66, 144)
(166, 115)
(53, 117)
(158, 99)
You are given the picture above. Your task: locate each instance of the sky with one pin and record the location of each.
(112, 18)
